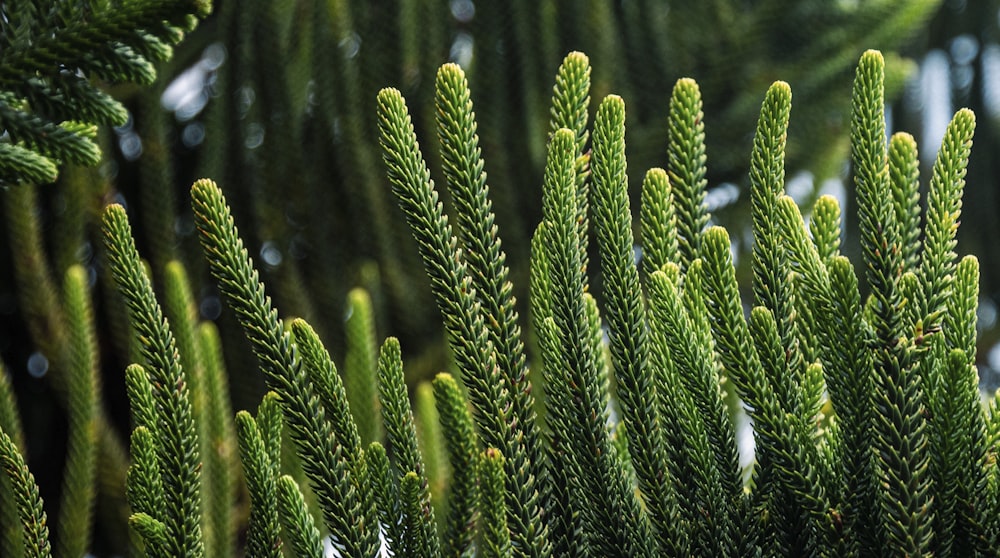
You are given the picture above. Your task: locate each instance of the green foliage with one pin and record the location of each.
(869, 433)
(35, 532)
(260, 443)
(77, 506)
(463, 456)
(360, 377)
(404, 454)
(496, 536)
(48, 106)
(332, 455)
(177, 441)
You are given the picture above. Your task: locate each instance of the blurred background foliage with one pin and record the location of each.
(275, 100)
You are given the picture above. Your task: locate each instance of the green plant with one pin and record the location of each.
(870, 436)
(49, 108)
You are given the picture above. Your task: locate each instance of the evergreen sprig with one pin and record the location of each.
(10, 422)
(658, 221)
(686, 167)
(79, 490)
(258, 438)
(626, 314)
(360, 376)
(27, 500)
(177, 446)
(463, 455)
(486, 260)
(613, 514)
(899, 396)
(496, 537)
(401, 445)
(697, 428)
(944, 209)
(301, 532)
(50, 50)
(457, 296)
(341, 487)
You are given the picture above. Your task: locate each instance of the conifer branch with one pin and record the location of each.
(260, 471)
(626, 313)
(686, 167)
(959, 326)
(145, 479)
(401, 440)
(614, 515)
(486, 260)
(901, 440)
(430, 441)
(694, 456)
(178, 450)
(360, 376)
(463, 319)
(349, 514)
(746, 352)
(80, 475)
(10, 421)
(300, 532)
(944, 208)
(880, 241)
(417, 518)
(496, 538)
(904, 179)
(570, 109)
(463, 455)
(220, 455)
(28, 501)
(46, 61)
(824, 227)
(658, 222)
(386, 493)
(959, 463)
(771, 285)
